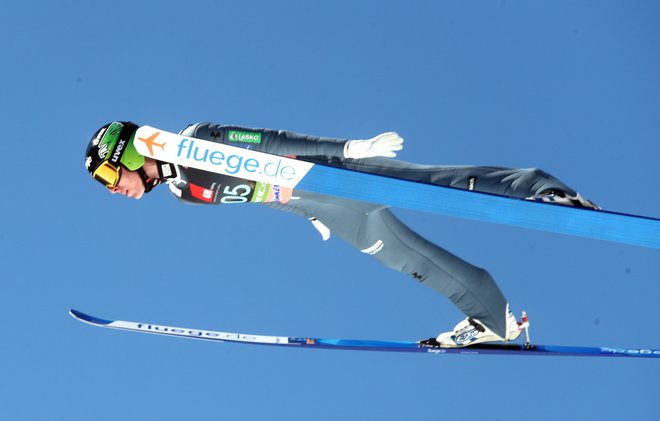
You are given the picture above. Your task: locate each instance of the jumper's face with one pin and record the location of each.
(130, 185)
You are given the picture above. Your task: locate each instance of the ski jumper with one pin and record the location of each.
(372, 228)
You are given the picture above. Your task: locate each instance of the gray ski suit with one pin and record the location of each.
(371, 228)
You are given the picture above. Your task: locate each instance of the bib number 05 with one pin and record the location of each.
(236, 194)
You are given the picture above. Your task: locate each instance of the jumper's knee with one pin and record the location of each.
(533, 181)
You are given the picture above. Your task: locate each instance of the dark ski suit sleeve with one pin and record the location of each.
(276, 142)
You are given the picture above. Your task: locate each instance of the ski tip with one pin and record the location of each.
(86, 318)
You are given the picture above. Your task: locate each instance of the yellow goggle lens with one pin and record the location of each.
(107, 174)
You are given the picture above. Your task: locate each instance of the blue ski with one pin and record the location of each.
(601, 225)
(426, 347)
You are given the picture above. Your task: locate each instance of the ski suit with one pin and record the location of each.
(372, 228)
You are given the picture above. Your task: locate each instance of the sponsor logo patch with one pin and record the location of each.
(245, 137)
(98, 137)
(467, 336)
(261, 192)
(201, 193)
(103, 151)
(151, 142)
(118, 151)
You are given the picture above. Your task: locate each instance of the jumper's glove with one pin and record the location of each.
(385, 144)
(321, 228)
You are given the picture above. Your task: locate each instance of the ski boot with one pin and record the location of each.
(471, 331)
(561, 198)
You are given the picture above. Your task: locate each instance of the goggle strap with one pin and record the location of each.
(125, 134)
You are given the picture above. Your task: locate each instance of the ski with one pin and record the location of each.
(426, 347)
(448, 201)
(597, 224)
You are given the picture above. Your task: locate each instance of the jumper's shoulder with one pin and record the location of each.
(200, 130)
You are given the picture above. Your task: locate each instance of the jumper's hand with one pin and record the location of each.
(321, 228)
(385, 144)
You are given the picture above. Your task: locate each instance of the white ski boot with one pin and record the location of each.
(561, 198)
(471, 331)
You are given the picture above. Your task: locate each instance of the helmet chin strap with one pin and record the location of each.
(165, 171)
(149, 183)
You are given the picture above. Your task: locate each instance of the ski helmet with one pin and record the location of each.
(112, 148)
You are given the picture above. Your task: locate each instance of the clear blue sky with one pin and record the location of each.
(571, 87)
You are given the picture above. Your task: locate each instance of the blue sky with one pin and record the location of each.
(570, 87)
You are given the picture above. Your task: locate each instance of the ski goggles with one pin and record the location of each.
(107, 174)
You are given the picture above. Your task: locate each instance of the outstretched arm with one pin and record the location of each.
(286, 143)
